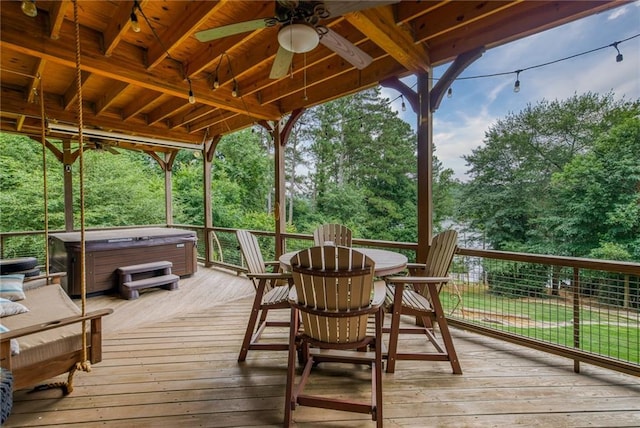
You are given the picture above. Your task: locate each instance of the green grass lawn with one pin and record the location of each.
(607, 331)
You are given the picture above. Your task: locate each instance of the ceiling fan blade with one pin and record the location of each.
(281, 63)
(347, 50)
(230, 30)
(338, 8)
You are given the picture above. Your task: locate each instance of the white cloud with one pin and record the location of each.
(456, 137)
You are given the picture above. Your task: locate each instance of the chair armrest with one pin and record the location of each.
(417, 279)
(416, 266)
(50, 325)
(270, 275)
(379, 293)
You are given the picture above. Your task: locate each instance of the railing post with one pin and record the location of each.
(576, 316)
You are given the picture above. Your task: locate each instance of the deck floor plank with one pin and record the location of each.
(176, 365)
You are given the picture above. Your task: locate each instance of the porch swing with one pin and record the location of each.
(46, 336)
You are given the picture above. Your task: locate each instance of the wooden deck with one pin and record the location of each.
(170, 361)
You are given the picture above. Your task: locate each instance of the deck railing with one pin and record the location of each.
(584, 309)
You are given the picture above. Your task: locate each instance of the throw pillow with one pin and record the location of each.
(15, 346)
(11, 287)
(8, 308)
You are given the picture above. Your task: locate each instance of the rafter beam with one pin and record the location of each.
(71, 94)
(56, 17)
(193, 16)
(121, 67)
(118, 25)
(13, 101)
(109, 96)
(379, 25)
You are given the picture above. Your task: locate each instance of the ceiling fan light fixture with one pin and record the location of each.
(298, 38)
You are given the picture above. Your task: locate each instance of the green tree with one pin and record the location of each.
(599, 196)
(510, 195)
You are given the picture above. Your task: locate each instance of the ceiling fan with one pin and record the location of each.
(302, 31)
(101, 146)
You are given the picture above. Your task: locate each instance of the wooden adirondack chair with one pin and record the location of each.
(272, 291)
(333, 299)
(336, 234)
(421, 300)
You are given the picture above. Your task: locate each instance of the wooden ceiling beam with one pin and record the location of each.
(218, 120)
(34, 88)
(208, 55)
(233, 124)
(190, 116)
(109, 96)
(351, 82)
(191, 17)
(71, 94)
(140, 103)
(379, 25)
(13, 101)
(166, 110)
(412, 10)
(505, 26)
(127, 69)
(119, 24)
(56, 17)
(457, 15)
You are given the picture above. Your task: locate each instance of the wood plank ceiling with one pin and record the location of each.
(138, 82)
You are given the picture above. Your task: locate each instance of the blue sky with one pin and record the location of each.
(461, 121)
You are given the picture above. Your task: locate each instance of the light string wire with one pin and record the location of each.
(520, 70)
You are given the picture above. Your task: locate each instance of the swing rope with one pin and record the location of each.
(85, 364)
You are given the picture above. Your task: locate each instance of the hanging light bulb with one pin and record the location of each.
(404, 106)
(516, 86)
(234, 91)
(29, 8)
(192, 98)
(135, 25)
(449, 93)
(216, 81)
(619, 57)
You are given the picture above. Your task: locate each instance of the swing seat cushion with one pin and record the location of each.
(46, 304)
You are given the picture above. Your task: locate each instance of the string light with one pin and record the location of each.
(516, 86)
(216, 79)
(619, 57)
(192, 98)
(449, 92)
(234, 91)
(404, 106)
(29, 8)
(135, 25)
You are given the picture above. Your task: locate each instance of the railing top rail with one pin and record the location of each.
(577, 262)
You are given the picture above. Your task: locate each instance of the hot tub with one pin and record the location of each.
(107, 250)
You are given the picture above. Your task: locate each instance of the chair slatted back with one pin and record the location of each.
(440, 255)
(330, 282)
(251, 251)
(441, 252)
(336, 233)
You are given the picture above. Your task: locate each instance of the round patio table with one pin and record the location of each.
(386, 262)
